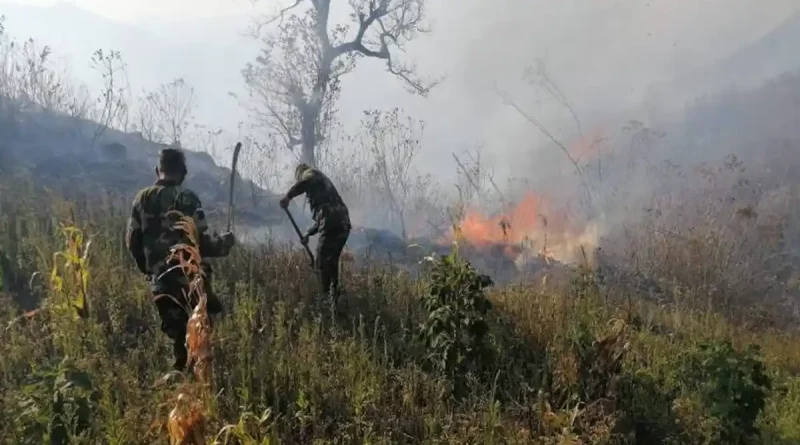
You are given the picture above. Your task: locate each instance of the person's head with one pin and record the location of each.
(171, 165)
(300, 169)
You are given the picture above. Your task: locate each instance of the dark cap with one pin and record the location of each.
(172, 161)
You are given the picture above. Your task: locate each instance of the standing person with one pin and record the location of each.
(331, 221)
(151, 235)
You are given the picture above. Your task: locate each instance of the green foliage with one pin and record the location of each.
(55, 404)
(246, 429)
(69, 277)
(526, 366)
(455, 329)
(733, 386)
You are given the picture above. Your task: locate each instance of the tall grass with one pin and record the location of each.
(563, 366)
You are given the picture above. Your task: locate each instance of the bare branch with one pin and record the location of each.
(541, 78)
(278, 17)
(535, 122)
(112, 107)
(406, 17)
(165, 113)
(296, 79)
(467, 174)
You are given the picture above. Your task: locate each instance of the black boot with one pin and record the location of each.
(213, 304)
(180, 353)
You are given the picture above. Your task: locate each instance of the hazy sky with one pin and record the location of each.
(135, 10)
(604, 55)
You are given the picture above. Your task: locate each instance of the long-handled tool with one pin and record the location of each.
(300, 235)
(236, 151)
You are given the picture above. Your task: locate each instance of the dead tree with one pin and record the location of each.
(165, 114)
(394, 141)
(296, 79)
(111, 109)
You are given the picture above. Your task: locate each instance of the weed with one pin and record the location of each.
(441, 358)
(455, 329)
(69, 277)
(734, 389)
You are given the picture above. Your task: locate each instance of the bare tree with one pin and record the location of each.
(297, 78)
(31, 81)
(260, 163)
(394, 143)
(206, 138)
(165, 114)
(112, 107)
(146, 119)
(28, 77)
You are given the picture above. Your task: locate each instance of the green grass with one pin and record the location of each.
(555, 367)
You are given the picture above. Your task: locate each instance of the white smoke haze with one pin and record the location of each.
(579, 70)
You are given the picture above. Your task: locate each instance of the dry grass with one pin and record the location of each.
(186, 423)
(567, 366)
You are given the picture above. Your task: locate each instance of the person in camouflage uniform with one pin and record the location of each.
(150, 236)
(331, 221)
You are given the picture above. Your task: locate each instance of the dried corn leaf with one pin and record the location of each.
(187, 422)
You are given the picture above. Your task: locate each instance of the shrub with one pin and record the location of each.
(733, 387)
(455, 329)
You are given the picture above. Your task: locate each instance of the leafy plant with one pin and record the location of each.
(734, 387)
(246, 430)
(56, 404)
(456, 304)
(69, 278)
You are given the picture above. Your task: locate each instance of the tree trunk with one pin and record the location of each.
(309, 139)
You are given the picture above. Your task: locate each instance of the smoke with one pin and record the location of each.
(608, 61)
(604, 63)
(616, 89)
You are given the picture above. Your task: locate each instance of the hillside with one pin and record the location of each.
(674, 322)
(56, 153)
(211, 66)
(399, 362)
(767, 57)
(747, 67)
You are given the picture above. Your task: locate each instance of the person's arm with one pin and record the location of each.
(133, 235)
(211, 245)
(300, 187)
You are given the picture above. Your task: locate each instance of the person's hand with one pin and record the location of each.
(228, 239)
(304, 240)
(284, 202)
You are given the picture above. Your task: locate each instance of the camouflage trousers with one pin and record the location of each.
(168, 291)
(329, 250)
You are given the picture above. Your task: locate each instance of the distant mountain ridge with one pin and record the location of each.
(769, 56)
(154, 54)
(56, 151)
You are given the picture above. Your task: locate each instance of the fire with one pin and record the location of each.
(532, 227)
(510, 228)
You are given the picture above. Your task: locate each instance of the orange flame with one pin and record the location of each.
(510, 228)
(531, 225)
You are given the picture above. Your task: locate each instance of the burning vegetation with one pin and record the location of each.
(450, 354)
(532, 228)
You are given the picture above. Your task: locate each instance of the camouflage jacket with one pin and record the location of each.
(150, 234)
(328, 210)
